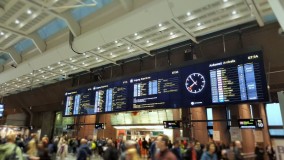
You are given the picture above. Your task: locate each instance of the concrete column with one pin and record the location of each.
(176, 116)
(47, 123)
(185, 117)
(220, 113)
(248, 142)
(259, 112)
(200, 132)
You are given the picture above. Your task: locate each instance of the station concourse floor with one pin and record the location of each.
(94, 157)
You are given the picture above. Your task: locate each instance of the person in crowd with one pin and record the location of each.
(63, 150)
(84, 151)
(152, 150)
(210, 154)
(100, 143)
(20, 142)
(238, 150)
(170, 145)
(43, 152)
(190, 153)
(32, 149)
(198, 150)
(176, 150)
(128, 154)
(139, 142)
(145, 148)
(111, 152)
(259, 152)
(270, 152)
(122, 146)
(10, 150)
(164, 153)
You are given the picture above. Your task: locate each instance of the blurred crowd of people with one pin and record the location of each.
(17, 147)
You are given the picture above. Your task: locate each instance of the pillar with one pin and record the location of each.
(176, 116)
(200, 132)
(47, 124)
(109, 132)
(248, 143)
(220, 113)
(186, 117)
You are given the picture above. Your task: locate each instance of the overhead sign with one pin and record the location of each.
(99, 126)
(232, 80)
(171, 124)
(250, 123)
(70, 127)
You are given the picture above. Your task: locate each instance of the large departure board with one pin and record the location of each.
(236, 79)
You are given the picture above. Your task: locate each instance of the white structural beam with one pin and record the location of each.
(255, 12)
(278, 9)
(127, 4)
(39, 43)
(70, 21)
(129, 42)
(17, 58)
(103, 57)
(183, 29)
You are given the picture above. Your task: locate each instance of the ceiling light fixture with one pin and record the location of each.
(225, 1)
(128, 48)
(2, 33)
(160, 25)
(171, 33)
(99, 48)
(48, 66)
(148, 41)
(70, 59)
(188, 13)
(59, 62)
(84, 53)
(97, 58)
(17, 21)
(199, 24)
(135, 34)
(29, 11)
(111, 53)
(234, 12)
(83, 63)
(115, 42)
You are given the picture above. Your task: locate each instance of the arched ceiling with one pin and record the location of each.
(34, 34)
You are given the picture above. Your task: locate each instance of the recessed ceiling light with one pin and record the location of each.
(99, 48)
(84, 53)
(234, 12)
(128, 48)
(42, 76)
(188, 13)
(70, 59)
(61, 70)
(160, 25)
(6, 36)
(199, 24)
(97, 58)
(225, 0)
(17, 21)
(29, 11)
(48, 66)
(171, 33)
(83, 63)
(59, 62)
(135, 34)
(2, 33)
(148, 41)
(111, 54)
(115, 42)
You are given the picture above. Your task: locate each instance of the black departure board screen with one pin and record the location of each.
(1, 110)
(237, 79)
(250, 123)
(99, 126)
(171, 124)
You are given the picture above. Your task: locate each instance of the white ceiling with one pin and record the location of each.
(120, 30)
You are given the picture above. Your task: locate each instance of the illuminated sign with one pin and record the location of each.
(250, 123)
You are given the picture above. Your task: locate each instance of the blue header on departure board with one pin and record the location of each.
(237, 79)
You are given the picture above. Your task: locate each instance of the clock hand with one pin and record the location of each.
(192, 79)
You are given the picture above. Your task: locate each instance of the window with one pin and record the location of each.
(274, 118)
(229, 116)
(209, 116)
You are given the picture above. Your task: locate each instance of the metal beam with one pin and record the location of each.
(278, 9)
(103, 57)
(17, 58)
(129, 42)
(70, 21)
(183, 29)
(255, 12)
(39, 43)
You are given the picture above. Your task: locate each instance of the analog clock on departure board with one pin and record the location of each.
(195, 83)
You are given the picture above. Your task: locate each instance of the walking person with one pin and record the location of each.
(63, 150)
(84, 151)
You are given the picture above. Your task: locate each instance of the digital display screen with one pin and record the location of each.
(1, 110)
(171, 124)
(237, 79)
(250, 123)
(99, 126)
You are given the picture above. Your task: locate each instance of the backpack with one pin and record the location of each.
(13, 155)
(93, 145)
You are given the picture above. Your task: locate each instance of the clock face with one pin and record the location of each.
(195, 83)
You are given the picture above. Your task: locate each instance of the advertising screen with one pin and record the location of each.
(99, 126)
(250, 123)
(171, 124)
